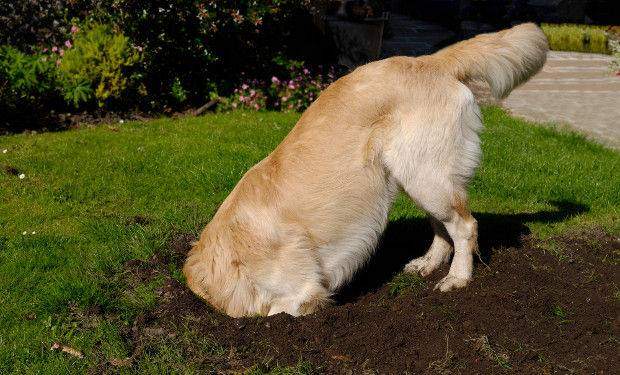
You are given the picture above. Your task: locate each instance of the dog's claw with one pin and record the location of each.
(451, 282)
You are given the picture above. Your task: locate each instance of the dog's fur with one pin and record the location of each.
(302, 221)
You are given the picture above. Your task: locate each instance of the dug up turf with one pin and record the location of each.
(533, 307)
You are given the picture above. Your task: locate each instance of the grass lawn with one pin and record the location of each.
(92, 199)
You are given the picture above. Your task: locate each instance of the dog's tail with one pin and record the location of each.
(504, 59)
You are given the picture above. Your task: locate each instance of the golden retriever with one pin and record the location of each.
(301, 222)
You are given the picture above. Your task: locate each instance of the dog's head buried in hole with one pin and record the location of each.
(303, 220)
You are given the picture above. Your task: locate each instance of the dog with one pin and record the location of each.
(302, 221)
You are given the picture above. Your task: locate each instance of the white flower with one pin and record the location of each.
(22, 176)
(5, 151)
(24, 233)
(34, 232)
(121, 121)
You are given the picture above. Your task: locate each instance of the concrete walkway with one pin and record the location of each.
(576, 89)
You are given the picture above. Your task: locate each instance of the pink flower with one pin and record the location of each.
(291, 85)
(306, 71)
(244, 86)
(139, 48)
(54, 49)
(284, 98)
(256, 106)
(237, 17)
(275, 80)
(242, 98)
(252, 92)
(61, 52)
(45, 50)
(68, 44)
(74, 29)
(57, 62)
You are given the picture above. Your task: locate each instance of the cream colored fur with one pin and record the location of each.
(302, 221)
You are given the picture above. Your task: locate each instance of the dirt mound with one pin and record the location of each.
(528, 311)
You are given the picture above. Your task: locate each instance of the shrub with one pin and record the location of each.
(97, 66)
(249, 96)
(178, 91)
(160, 54)
(295, 91)
(300, 89)
(24, 79)
(577, 38)
(614, 46)
(30, 25)
(192, 44)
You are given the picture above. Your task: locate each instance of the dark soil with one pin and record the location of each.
(526, 311)
(10, 170)
(41, 121)
(50, 121)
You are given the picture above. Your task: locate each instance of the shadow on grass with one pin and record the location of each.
(406, 239)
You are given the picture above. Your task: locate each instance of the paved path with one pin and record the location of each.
(576, 89)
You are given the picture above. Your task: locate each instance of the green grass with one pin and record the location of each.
(82, 188)
(405, 282)
(301, 368)
(576, 38)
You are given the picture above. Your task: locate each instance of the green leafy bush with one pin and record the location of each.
(178, 91)
(97, 66)
(160, 55)
(24, 79)
(27, 25)
(193, 44)
(576, 38)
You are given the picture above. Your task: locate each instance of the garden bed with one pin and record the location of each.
(526, 311)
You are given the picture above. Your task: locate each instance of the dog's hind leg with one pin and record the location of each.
(449, 211)
(437, 255)
(448, 208)
(463, 230)
(433, 158)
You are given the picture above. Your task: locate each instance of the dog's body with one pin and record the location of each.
(303, 220)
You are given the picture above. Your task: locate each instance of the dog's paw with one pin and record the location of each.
(451, 282)
(421, 266)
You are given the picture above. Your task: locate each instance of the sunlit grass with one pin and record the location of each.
(576, 38)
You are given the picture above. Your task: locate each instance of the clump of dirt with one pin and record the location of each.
(138, 220)
(10, 170)
(528, 310)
